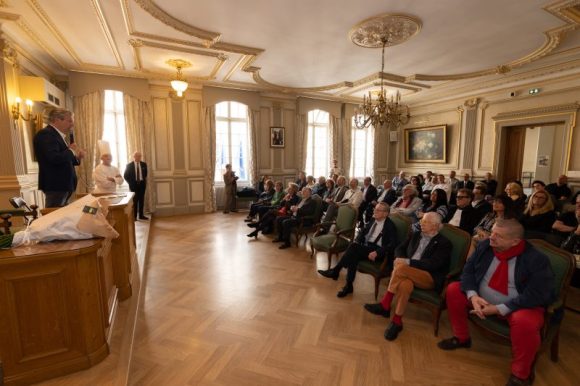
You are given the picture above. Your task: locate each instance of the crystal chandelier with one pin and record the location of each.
(179, 84)
(382, 31)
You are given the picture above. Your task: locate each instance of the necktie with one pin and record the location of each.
(371, 231)
(138, 171)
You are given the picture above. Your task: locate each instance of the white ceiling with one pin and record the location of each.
(299, 46)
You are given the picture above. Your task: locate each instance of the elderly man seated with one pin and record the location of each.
(376, 242)
(422, 261)
(305, 207)
(506, 277)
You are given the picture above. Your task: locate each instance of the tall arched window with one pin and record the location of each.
(232, 139)
(318, 143)
(114, 131)
(361, 156)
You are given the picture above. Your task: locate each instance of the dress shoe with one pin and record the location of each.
(253, 225)
(143, 218)
(284, 246)
(249, 219)
(277, 240)
(254, 234)
(515, 381)
(377, 309)
(347, 289)
(453, 344)
(330, 273)
(392, 331)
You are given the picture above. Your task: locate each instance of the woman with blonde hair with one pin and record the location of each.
(539, 214)
(516, 193)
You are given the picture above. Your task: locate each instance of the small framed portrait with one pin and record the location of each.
(426, 144)
(277, 137)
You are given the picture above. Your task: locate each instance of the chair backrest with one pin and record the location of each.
(461, 242)
(563, 265)
(318, 209)
(346, 217)
(403, 226)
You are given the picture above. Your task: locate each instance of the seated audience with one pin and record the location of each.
(310, 182)
(408, 203)
(369, 193)
(539, 215)
(301, 180)
(353, 197)
(399, 182)
(560, 191)
(265, 199)
(442, 184)
(437, 204)
(466, 183)
(491, 185)
(329, 193)
(266, 223)
(463, 215)
(388, 194)
(275, 201)
(262, 185)
(509, 278)
(502, 209)
(566, 227)
(516, 193)
(375, 242)
(422, 261)
(106, 176)
(479, 203)
(284, 224)
(417, 184)
(320, 187)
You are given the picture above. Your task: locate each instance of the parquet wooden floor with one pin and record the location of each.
(220, 309)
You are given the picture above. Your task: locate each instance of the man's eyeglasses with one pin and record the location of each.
(462, 196)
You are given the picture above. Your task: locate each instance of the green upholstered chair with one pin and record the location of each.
(380, 270)
(301, 229)
(563, 266)
(337, 240)
(435, 300)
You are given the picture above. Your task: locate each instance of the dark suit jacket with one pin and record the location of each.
(464, 185)
(307, 209)
(533, 276)
(435, 258)
(56, 163)
(483, 207)
(388, 238)
(340, 193)
(371, 194)
(131, 176)
(390, 197)
(469, 217)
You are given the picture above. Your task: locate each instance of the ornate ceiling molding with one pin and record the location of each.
(156, 12)
(107, 32)
(395, 28)
(542, 111)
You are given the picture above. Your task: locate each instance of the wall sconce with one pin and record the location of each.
(16, 110)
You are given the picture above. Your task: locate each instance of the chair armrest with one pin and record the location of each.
(342, 232)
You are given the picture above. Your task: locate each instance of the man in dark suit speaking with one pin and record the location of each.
(136, 177)
(57, 156)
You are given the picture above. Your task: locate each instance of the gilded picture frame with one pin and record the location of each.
(426, 144)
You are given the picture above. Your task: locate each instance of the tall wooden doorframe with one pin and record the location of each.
(565, 115)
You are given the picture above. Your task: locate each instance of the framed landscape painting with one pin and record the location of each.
(426, 144)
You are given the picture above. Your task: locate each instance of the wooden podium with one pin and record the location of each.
(53, 319)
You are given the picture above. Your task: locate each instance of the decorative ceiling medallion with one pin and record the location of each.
(397, 28)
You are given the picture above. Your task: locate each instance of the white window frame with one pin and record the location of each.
(313, 148)
(219, 170)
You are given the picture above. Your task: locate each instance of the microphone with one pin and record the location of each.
(71, 137)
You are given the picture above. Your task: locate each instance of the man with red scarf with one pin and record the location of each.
(509, 278)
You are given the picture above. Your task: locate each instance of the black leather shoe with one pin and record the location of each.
(249, 219)
(143, 218)
(284, 246)
(329, 273)
(253, 225)
(515, 381)
(453, 344)
(392, 331)
(277, 240)
(377, 309)
(347, 289)
(254, 234)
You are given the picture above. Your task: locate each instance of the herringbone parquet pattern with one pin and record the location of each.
(220, 309)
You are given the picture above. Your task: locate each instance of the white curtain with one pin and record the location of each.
(209, 156)
(253, 134)
(346, 146)
(302, 125)
(139, 128)
(88, 114)
(334, 129)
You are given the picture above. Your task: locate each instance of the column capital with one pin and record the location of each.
(471, 103)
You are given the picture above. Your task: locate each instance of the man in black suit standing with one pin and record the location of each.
(57, 156)
(136, 177)
(466, 183)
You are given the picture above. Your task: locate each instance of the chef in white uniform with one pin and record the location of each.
(105, 175)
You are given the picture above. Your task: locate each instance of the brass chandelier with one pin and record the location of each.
(382, 31)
